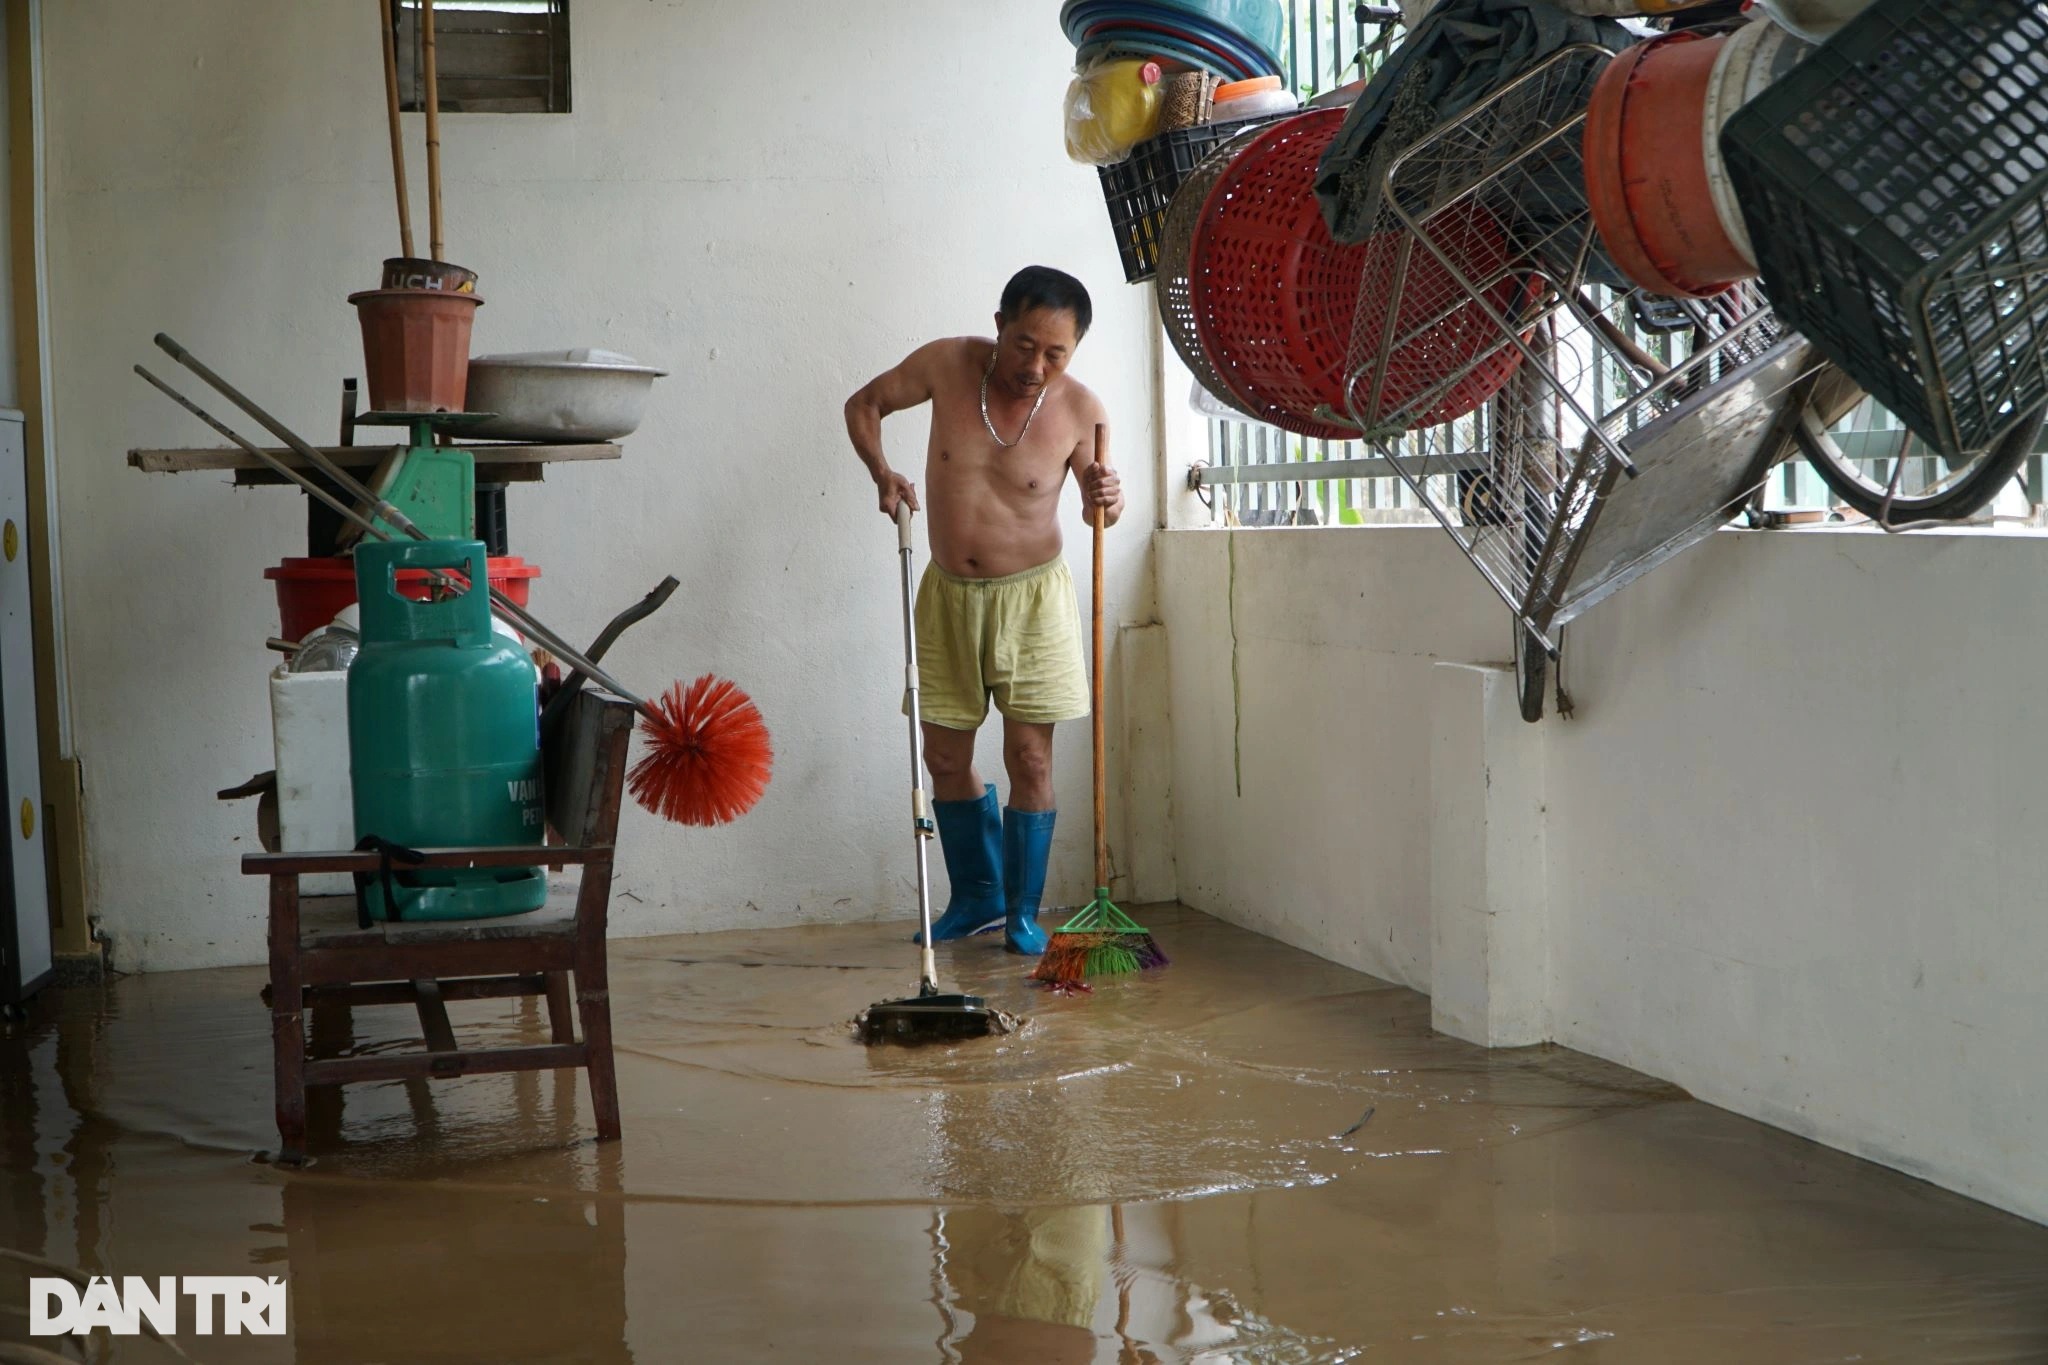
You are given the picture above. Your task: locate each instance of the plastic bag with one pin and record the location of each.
(1111, 108)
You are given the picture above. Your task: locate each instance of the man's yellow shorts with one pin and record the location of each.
(1015, 638)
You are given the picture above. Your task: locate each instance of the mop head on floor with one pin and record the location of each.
(933, 1017)
(1100, 941)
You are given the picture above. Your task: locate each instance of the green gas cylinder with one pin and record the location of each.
(443, 735)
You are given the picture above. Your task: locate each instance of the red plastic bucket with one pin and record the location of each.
(312, 592)
(1646, 169)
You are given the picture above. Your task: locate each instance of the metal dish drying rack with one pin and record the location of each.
(1632, 427)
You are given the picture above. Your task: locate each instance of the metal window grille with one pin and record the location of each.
(491, 56)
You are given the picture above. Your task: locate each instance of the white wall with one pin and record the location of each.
(1791, 836)
(1304, 813)
(773, 201)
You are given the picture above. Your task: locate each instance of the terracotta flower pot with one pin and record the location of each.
(416, 347)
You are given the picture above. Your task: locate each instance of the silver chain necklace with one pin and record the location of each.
(991, 369)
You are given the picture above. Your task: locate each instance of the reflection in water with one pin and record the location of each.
(1029, 1279)
(398, 1244)
(1093, 1283)
(57, 1172)
(558, 1258)
(375, 1273)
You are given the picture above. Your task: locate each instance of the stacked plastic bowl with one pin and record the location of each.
(1239, 40)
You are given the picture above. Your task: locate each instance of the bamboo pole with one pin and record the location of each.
(433, 111)
(385, 22)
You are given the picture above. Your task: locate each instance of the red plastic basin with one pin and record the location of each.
(312, 592)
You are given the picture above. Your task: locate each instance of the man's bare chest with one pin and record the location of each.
(962, 445)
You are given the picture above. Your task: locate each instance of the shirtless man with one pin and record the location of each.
(996, 614)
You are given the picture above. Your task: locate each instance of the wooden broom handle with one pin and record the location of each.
(1095, 678)
(384, 22)
(433, 112)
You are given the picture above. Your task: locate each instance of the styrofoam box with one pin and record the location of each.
(315, 805)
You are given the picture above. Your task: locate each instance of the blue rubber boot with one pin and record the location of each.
(970, 832)
(1027, 842)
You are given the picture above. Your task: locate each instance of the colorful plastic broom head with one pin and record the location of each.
(1100, 941)
(708, 756)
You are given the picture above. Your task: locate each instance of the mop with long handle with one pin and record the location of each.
(931, 1014)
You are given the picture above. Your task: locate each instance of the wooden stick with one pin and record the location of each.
(1095, 679)
(433, 100)
(385, 22)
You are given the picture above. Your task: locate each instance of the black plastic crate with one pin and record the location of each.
(1896, 188)
(1138, 188)
(492, 527)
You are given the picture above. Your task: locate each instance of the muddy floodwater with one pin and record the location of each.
(1253, 1155)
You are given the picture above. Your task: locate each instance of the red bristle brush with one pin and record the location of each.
(708, 755)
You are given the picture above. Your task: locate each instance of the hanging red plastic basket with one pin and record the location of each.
(1275, 297)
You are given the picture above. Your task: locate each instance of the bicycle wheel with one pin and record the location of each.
(1963, 489)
